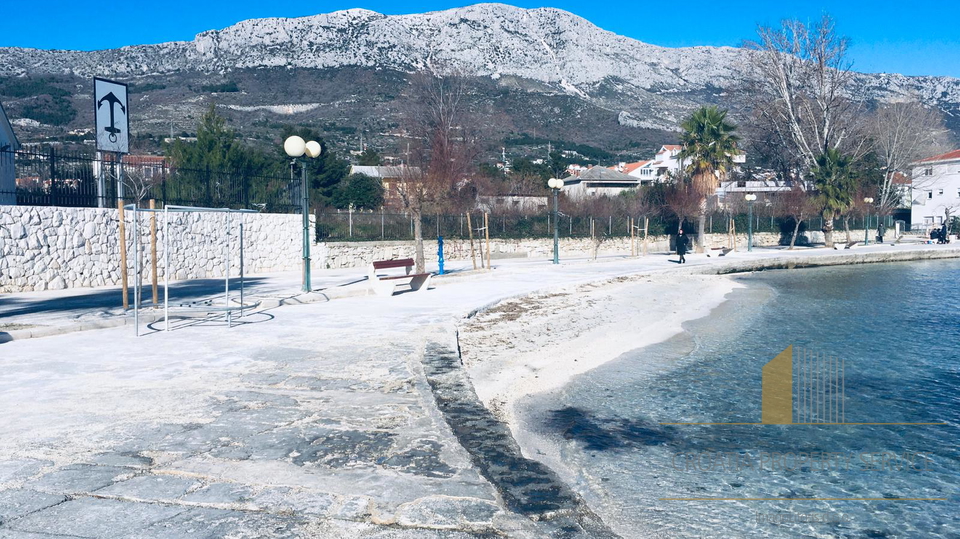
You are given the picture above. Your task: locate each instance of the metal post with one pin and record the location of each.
(307, 282)
(440, 254)
(226, 276)
(136, 275)
(866, 229)
(750, 226)
(166, 269)
(556, 227)
(241, 265)
(350, 220)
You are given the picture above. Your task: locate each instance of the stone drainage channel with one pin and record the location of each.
(526, 486)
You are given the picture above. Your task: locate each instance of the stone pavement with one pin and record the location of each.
(349, 418)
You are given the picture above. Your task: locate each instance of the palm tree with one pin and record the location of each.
(708, 146)
(835, 185)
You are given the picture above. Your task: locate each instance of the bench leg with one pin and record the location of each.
(421, 283)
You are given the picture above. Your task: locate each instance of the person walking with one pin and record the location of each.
(944, 238)
(682, 242)
(880, 230)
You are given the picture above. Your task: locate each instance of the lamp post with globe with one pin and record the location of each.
(866, 221)
(556, 184)
(296, 147)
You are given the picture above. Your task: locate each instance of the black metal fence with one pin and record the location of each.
(56, 178)
(374, 226)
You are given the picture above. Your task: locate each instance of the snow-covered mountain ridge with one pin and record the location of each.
(545, 44)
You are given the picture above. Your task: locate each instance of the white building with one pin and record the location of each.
(666, 164)
(8, 174)
(599, 181)
(936, 190)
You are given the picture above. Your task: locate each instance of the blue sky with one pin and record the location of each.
(914, 38)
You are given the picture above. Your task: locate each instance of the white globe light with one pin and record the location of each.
(294, 146)
(751, 197)
(555, 183)
(313, 149)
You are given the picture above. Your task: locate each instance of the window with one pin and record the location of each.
(940, 192)
(928, 171)
(929, 194)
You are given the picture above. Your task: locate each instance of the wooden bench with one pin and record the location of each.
(386, 285)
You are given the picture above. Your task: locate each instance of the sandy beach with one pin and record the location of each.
(537, 343)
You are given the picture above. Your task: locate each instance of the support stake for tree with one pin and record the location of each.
(486, 229)
(123, 255)
(153, 251)
(646, 227)
(473, 253)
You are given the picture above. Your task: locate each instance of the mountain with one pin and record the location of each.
(346, 71)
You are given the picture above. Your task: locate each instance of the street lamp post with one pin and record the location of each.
(866, 221)
(750, 197)
(295, 147)
(556, 184)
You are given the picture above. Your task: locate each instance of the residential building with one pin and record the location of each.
(391, 177)
(8, 145)
(599, 181)
(936, 190)
(514, 203)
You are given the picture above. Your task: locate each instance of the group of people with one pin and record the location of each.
(940, 234)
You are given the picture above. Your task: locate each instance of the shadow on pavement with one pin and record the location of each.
(109, 299)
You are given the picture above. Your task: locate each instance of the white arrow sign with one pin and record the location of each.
(113, 115)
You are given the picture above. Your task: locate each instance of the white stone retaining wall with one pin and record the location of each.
(358, 254)
(52, 248)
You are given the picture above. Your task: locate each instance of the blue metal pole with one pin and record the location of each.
(750, 225)
(440, 254)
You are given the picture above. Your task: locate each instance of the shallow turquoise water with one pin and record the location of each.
(896, 328)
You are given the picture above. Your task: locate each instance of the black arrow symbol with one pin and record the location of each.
(112, 100)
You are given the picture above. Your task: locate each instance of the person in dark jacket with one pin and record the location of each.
(682, 242)
(944, 238)
(880, 230)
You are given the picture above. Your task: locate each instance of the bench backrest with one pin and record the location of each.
(397, 263)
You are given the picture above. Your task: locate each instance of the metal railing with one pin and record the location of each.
(56, 178)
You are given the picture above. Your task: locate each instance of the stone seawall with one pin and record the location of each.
(52, 248)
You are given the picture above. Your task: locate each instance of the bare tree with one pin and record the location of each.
(444, 146)
(797, 205)
(803, 82)
(804, 95)
(903, 133)
(683, 200)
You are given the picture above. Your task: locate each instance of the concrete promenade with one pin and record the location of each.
(335, 414)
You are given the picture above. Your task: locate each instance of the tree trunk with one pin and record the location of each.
(796, 232)
(846, 226)
(702, 225)
(418, 241)
(828, 230)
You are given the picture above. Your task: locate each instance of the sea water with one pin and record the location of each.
(895, 334)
